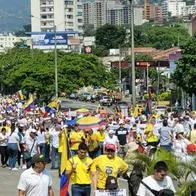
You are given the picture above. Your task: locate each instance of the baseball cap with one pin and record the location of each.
(111, 131)
(110, 147)
(38, 158)
(34, 131)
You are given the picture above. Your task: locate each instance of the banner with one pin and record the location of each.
(48, 39)
(119, 192)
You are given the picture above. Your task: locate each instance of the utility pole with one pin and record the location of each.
(120, 69)
(133, 54)
(55, 63)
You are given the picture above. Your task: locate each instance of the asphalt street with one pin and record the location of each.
(9, 181)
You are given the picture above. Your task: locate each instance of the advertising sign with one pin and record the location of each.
(48, 39)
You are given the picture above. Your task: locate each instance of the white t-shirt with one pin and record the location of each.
(155, 185)
(34, 183)
(13, 138)
(3, 140)
(109, 140)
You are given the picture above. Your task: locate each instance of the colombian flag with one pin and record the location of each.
(64, 180)
(29, 104)
(149, 103)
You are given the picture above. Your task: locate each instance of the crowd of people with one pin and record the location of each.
(94, 152)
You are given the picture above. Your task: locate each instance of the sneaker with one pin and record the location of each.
(14, 169)
(3, 166)
(24, 167)
(10, 168)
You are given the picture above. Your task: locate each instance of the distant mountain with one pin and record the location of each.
(14, 14)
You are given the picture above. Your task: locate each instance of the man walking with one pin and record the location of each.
(35, 180)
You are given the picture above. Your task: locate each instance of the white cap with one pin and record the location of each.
(111, 131)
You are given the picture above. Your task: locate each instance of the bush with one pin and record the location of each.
(165, 96)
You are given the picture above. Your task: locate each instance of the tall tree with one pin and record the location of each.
(110, 36)
(185, 73)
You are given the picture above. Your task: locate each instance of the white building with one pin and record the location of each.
(8, 41)
(175, 7)
(189, 9)
(64, 14)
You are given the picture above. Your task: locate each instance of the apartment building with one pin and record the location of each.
(66, 15)
(8, 41)
(175, 7)
(153, 12)
(112, 12)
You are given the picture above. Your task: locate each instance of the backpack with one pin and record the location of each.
(163, 192)
(111, 183)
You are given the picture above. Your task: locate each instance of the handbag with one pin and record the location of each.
(27, 155)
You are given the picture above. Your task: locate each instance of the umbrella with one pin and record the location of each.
(90, 122)
(82, 111)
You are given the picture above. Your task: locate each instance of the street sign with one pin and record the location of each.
(119, 192)
(140, 64)
(88, 49)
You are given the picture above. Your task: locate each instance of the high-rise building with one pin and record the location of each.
(153, 12)
(175, 7)
(112, 12)
(66, 15)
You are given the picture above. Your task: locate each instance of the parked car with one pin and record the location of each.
(84, 97)
(73, 95)
(161, 109)
(106, 100)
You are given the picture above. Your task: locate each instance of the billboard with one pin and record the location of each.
(48, 39)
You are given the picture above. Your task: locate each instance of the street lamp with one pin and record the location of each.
(133, 53)
(55, 59)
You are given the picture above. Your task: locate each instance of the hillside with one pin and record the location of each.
(14, 14)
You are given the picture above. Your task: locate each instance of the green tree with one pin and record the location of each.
(185, 73)
(35, 73)
(110, 36)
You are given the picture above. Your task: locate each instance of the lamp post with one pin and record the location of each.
(132, 54)
(55, 63)
(55, 59)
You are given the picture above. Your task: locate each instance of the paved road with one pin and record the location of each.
(9, 181)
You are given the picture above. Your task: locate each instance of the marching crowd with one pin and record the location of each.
(24, 135)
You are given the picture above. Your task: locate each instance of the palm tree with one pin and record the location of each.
(180, 172)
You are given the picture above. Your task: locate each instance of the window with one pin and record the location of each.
(79, 20)
(70, 16)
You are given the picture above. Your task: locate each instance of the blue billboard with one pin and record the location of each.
(49, 39)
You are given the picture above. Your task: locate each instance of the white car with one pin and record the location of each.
(161, 109)
(106, 100)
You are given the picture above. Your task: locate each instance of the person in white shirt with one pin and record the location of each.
(35, 180)
(111, 139)
(54, 135)
(3, 147)
(158, 181)
(13, 148)
(41, 139)
(31, 146)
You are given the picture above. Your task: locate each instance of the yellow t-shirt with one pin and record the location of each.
(83, 170)
(101, 136)
(77, 136)
(150, 136)
(93, 142)
(107, 167)
(193, 136)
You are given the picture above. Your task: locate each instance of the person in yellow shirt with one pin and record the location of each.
(93, 144)
(151, 138)
(76, 137)
(101, 137)
(108, 165)
(79, 170)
